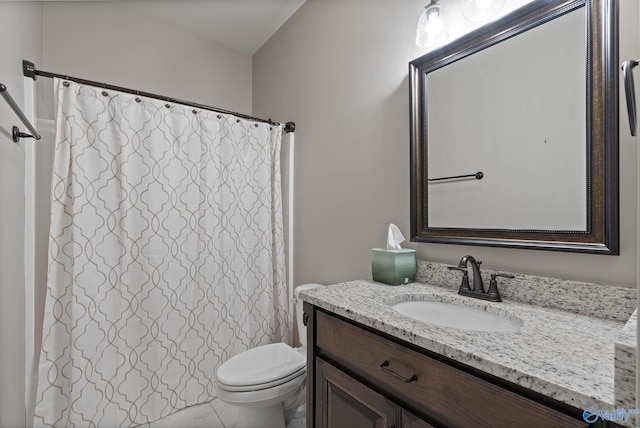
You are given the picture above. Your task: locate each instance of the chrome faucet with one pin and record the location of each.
(477, 287)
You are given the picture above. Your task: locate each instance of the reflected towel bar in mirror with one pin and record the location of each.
(478, 176)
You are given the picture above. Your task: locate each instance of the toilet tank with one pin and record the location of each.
(302, 330)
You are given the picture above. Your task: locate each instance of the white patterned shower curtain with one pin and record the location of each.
(166, 256)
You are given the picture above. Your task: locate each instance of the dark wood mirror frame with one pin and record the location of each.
(602, 234)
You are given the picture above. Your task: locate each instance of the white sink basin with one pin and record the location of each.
(455, 316)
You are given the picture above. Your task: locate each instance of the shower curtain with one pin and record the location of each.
(166, 256)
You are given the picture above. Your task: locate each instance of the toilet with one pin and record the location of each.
(267, 382)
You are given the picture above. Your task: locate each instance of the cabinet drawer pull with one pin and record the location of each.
(384, 368)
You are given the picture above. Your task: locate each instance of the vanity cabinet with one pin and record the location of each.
(359, 377)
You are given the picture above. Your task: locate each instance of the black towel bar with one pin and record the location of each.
(478, 175)
(16, 131)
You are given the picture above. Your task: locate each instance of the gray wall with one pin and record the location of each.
(21, 37)
(109, 42)
(339, 70)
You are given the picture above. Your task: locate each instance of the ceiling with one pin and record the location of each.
(242, 25)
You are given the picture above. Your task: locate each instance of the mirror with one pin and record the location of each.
(514, 132)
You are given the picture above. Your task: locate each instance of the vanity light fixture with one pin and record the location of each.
(431, 28)
(482, 10)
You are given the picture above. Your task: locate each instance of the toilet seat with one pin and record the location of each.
(261, 386)
(262, 397)
(259, 368)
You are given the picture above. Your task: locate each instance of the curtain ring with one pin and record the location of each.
(138, 99)
(219, 116)
(194, 111)
(65, 84)
(104, 93)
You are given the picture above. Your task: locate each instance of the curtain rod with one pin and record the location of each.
(29, 70)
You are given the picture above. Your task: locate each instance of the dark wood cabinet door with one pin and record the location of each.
(346, 403)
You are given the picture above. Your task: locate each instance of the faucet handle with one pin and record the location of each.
(465, 277)
(503, 275)
(493, 285)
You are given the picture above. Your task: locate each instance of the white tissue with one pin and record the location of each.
(394, 237)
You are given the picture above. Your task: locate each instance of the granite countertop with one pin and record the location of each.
(561, 354)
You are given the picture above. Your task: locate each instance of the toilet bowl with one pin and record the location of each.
(261, 380)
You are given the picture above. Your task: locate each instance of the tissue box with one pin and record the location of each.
(394, 267)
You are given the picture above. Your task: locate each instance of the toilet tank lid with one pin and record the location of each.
(299, 288)
(260, 365)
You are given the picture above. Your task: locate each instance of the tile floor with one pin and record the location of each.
(214, 414)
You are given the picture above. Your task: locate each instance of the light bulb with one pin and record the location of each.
(482, 10)
(434, 25)
(431, 29)
(483, 4)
